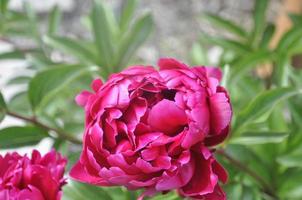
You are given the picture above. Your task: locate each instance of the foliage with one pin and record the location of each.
(266, 133)
(266, 130)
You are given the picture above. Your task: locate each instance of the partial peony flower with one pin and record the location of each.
(35, 178)
(152, 129)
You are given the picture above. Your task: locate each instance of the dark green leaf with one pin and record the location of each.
(252, 138)
(134, 39)
(2, 107)
(263, 103)
(296, 19)
(54, 20)
(259, 19)
(18, 136)
(226, 24)
(51, 80)
(267, 35)
(102, 34)
(72, 47)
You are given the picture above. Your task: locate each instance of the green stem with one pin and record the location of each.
(243, 167)
(60, 133)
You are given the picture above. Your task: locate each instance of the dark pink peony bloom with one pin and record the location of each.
(35, 178)
(151, 129)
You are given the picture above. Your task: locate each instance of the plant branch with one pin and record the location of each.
(243, 167)
(60, 133)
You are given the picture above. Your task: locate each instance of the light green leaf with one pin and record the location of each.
(249, 61)
(252, 138)
(261, 104)
(54, 20)
(72, 47)
(127, 14)
(198, 55)
(227, 44)
(291, 160)
(2, 107)
(296, 19)
(18, 80)
(134, 39)
(102, 34)
(259, 19)
(226, 24)
(51, 80)
(79, 191)
(18, 136)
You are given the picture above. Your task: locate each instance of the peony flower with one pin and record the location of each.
(35, 178)
(151, 129)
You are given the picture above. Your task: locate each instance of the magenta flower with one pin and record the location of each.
(151, 129)
(35, 178)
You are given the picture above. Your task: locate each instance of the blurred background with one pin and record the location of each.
(50, 50)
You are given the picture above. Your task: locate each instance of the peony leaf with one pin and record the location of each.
(49, 81)
(18, 136)
(227, 44)
(127, 14)
(252, 138)
(2, 107)
(73, 47)
(226, 24)
(259, 19)
(134, 39)
(261, 104)
(102, 34)
(79, 191)
(291, 160)
(54, 20)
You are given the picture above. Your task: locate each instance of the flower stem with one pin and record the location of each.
(60, 133)
(243, 167)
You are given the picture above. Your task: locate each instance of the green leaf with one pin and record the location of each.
(51, 80)
(227, 44)
(18, 136)
(226, 24)
(198, 55)
(134, 39)
(102, 34)
(54, 20)
(267, 35)
(296, 19)
(127, 14)
(72, 47)
(2, 107)
(252, 138)
(12, 55)
(79, 191)
(3, 6)
(261, 104)
(259, 19)
(291, 160)
(18, 80)
(289, 40)
(249, 61)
